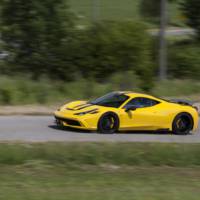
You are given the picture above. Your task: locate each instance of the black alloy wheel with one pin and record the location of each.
(108, 123)
(182, 124)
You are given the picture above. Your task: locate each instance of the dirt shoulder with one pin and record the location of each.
(27, 110)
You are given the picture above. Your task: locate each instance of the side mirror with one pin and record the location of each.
(130, 108)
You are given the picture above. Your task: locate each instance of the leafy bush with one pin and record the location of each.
(21, 91)
(17, 90)
(111, 47)
(95, 52)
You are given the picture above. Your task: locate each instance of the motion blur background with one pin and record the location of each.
(53, 50)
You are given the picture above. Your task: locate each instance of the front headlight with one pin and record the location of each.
(94, 111)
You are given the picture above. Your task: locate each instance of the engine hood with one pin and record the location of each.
(79, 106)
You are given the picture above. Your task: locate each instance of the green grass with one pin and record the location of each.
(98, 171)
(118, 10)
(178, 88)
(23, 91)
(50, 183)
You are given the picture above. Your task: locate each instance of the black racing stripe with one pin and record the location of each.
(80, 105)
(86, 106)
(89, 111)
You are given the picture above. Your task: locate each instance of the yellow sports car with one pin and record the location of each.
(125, 111)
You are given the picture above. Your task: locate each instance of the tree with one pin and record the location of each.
(150, 9)
(191, 10)
(34, 33)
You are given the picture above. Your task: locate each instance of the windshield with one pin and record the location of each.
(114, 100)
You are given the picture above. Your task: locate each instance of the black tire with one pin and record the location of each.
(108, 123)
(182, 124)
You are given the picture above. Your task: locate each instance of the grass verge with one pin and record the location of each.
(97, 171)
(50, 183)
(95, 154)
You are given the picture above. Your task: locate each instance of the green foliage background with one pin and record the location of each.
(191, 8)
(43, 40)
(48, 50)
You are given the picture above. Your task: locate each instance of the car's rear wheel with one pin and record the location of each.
(182, 124)
(108, 123)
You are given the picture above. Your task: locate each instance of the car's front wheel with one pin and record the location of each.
(108, 123)
(182, 124)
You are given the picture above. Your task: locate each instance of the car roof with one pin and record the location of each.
(136, 94)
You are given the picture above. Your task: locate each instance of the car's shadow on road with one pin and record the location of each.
(59, 128)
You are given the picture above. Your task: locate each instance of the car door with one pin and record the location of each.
(145, 117)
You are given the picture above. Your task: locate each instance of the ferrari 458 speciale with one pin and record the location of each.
(129, 111)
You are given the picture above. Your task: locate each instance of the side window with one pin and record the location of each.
(141, 102)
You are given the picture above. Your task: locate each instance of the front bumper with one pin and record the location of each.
(73, 121)
(69, 122)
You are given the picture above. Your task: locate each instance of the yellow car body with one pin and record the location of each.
(86, 115)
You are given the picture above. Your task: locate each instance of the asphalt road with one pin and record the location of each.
(43, 129)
